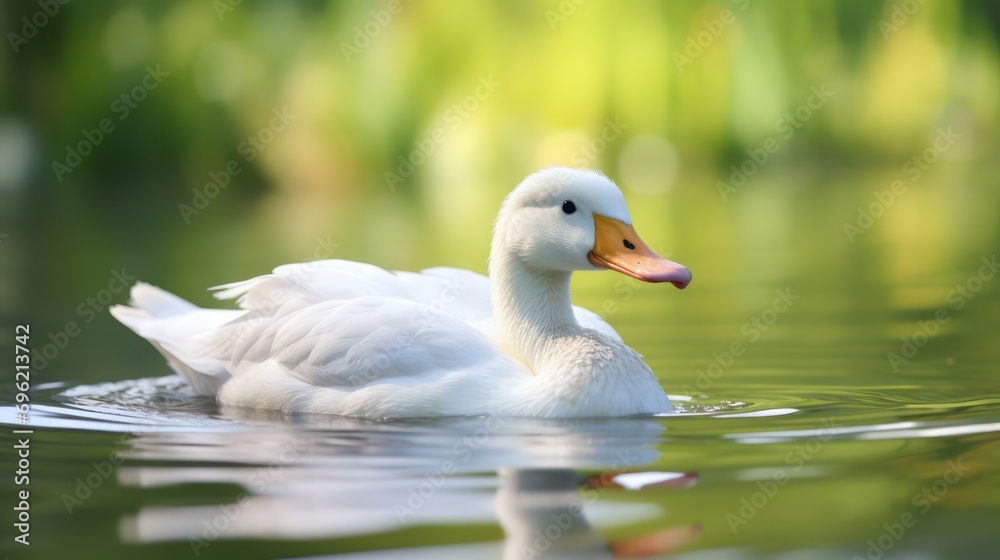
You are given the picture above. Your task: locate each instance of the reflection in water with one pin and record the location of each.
(256, 484)
(322, 477)
(541, 512)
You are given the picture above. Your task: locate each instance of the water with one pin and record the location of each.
(145, 469)
(799, 434)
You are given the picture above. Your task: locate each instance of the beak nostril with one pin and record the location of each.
(628, 245)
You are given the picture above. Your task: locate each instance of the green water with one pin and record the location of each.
(807, 426)
(833, 363)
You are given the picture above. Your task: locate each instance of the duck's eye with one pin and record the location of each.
(569, 207)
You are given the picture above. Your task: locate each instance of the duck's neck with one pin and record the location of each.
(530, 308)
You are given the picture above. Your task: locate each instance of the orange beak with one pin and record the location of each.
(618, 247)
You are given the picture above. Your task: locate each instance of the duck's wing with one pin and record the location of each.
(175, 327)
(463, 293)
(368, 356)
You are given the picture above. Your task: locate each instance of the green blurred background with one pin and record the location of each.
(667, 98)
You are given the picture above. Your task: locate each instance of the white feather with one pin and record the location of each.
(350, 338)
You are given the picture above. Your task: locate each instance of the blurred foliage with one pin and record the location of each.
(366, 84)
(576, 82)
(412, 119)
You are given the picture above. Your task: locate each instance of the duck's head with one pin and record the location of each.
(563, 220)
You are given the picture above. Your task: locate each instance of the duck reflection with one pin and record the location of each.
(311, 478)
(541, 512)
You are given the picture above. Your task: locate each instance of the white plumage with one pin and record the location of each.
(348, 338)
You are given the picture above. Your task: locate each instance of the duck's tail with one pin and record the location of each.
(181, 331)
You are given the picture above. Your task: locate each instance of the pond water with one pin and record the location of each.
(835, 399)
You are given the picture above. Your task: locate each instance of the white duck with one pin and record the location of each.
(341, 337)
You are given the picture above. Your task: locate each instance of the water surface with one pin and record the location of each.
(806, 426)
